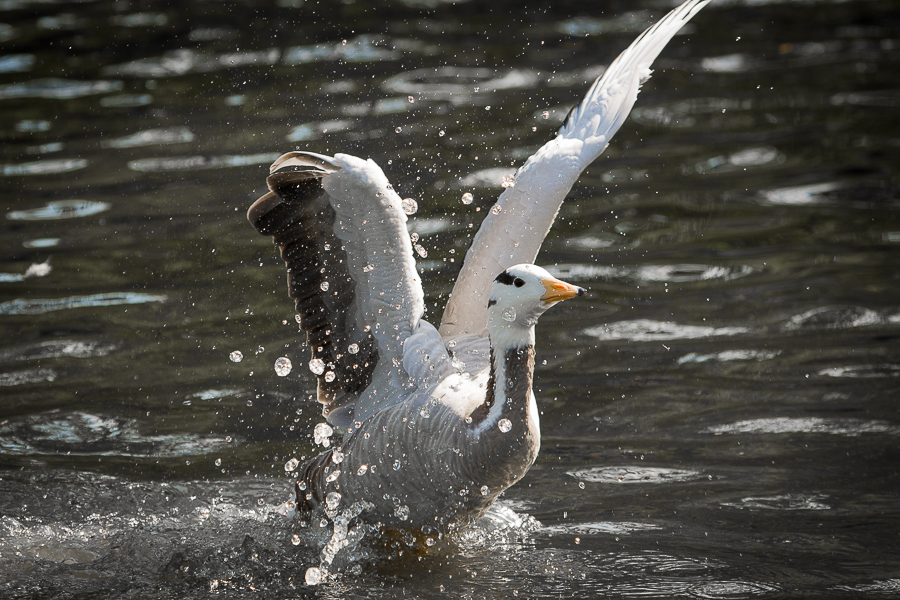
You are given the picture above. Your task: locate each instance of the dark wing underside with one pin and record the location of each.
(298, 214)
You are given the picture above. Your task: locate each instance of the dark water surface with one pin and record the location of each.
(720, 419)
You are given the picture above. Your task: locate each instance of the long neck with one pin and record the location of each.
(508, 393)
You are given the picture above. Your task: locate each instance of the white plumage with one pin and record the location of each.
(439, 423)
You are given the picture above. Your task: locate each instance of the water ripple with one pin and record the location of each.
(645, 330)
(729, 355)
(833, 317)
(688, 272)
(581, 272)
(862, 371)
(126, 100)
(628, 22)
(486, 178)
(456, 84)
(152, 137)
(634, 475)
(184, 61)
(38, 307)
(363, 48)
(60, 209)
(58, 349)
(60, 89)
(730, 63)
(312, 131)
(44, 167)
(88, 434)
(800, 195)
(848, 427)
(782, 502)
(26, 377)
(749, 157)
(199, 163)
(16, 63)
(730, 589)
(610, 527)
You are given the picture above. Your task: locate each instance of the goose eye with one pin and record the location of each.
(518, 282)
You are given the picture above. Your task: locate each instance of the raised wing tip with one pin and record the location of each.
(305, 159)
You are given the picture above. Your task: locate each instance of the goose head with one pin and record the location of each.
(519, 296)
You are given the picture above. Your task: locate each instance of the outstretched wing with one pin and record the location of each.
(515, 228)
(351, 272)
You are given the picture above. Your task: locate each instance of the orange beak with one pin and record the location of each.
(560, 290)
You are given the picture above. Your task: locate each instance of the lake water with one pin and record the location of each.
(720, 419)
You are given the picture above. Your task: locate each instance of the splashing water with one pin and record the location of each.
(467, 198)
(283, 366)
(317, 366)
(509, 314)
(409, 206)
(236, 356)
(322, 434)
(504, 425)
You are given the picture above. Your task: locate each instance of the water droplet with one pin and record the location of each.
(327, 246)
(317, 366)
(451, 344)
(322, 433)
(314, 576)
(353, 348)
(504, 425)
(396, 465)
(496, 209)
(546, 114)
(301, 486)
(421, 251)
(261, 501)
(297, 318)
(362, 469)
(508, 314)
(414, 238)
(402, 512)
(430, 541)
(409, 206)
(368, 268)
(283, 366)
(324, 286)
(411, 99)
(468, 198)
(581, 485)
(331, 477)
(337, 457)
(329, 376)
(291, 465)
(508, 182)
(485, 490)
(236, 356)
(442, 133)
(398, 129)
(218, 462)
(295, 539)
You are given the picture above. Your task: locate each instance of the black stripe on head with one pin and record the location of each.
(505, 278)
